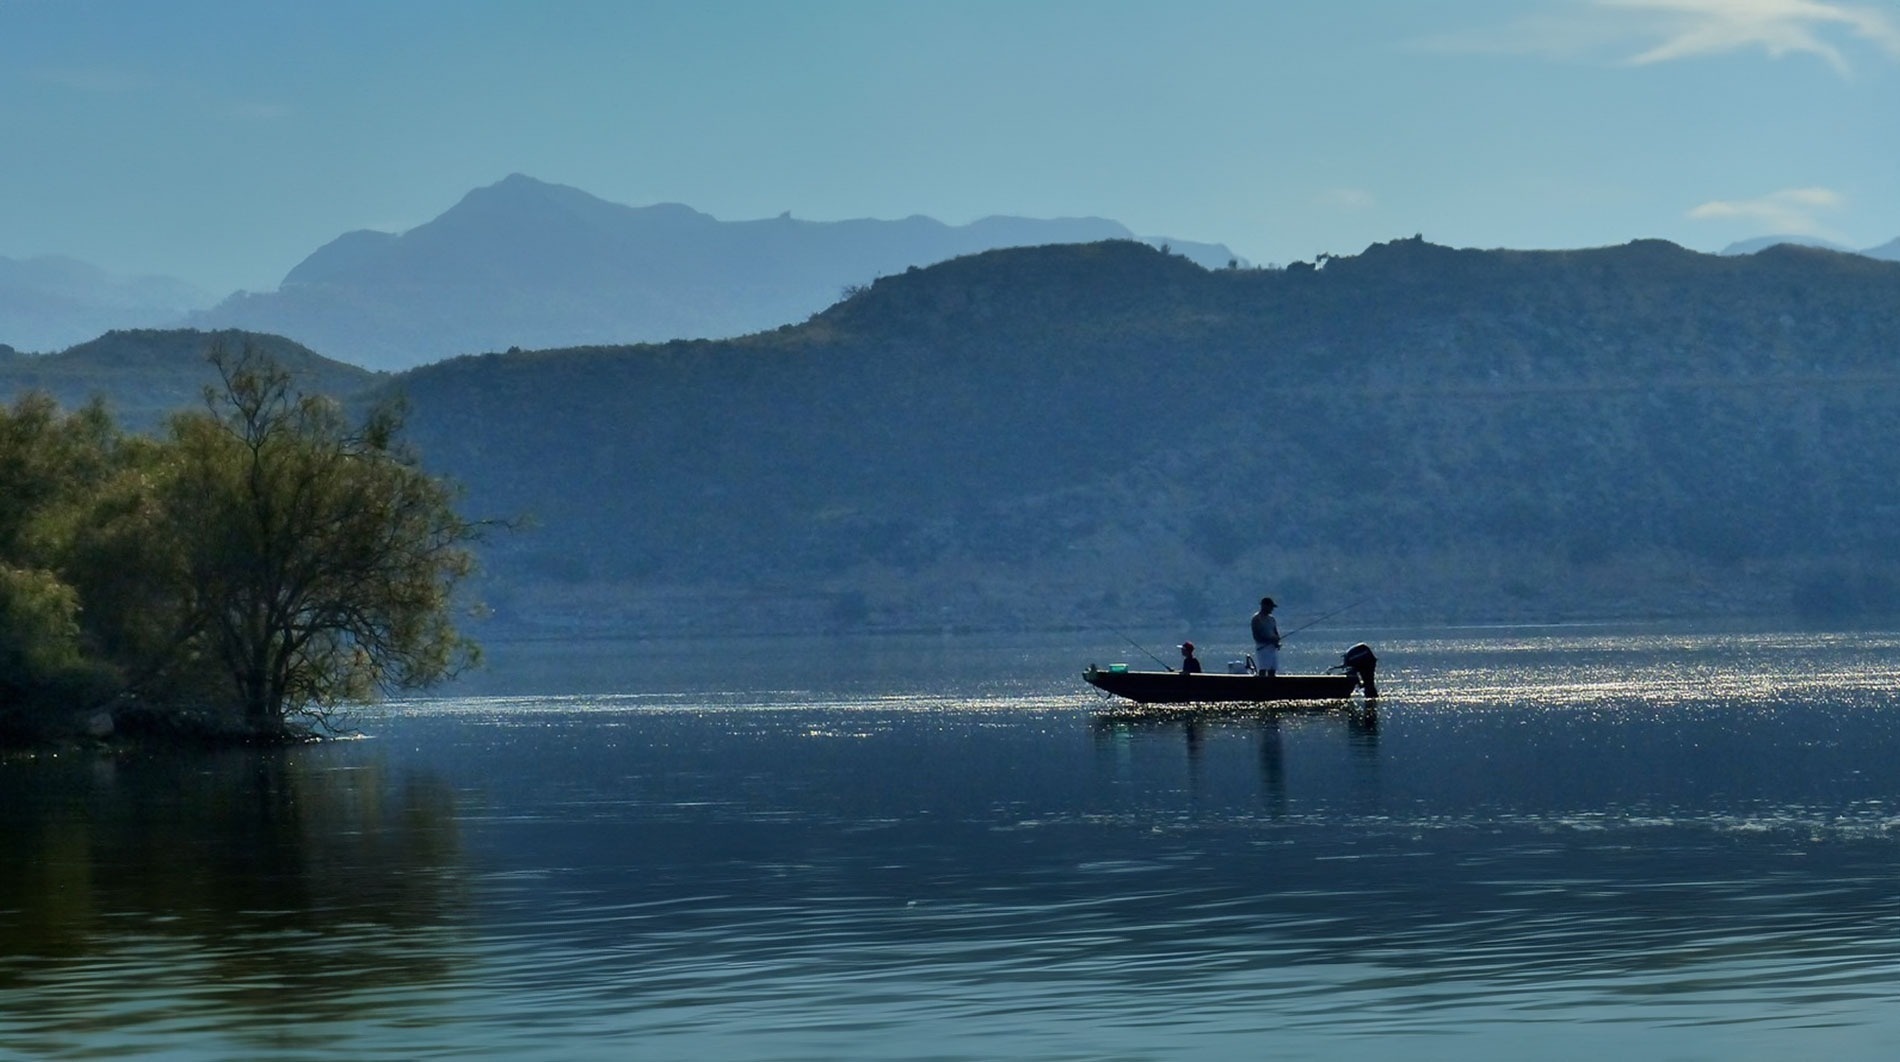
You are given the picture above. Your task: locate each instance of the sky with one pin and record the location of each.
(222, 141)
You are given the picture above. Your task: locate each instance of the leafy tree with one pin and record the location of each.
(49, 465)
(314, 562)
(39, 645)
(268, 558)
(48, 462)
(125, 555)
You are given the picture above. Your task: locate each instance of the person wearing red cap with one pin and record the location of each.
(1189, 663)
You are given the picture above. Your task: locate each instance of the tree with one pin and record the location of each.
(48, 461)
(50, 465)
(39, 646)
(316, 562)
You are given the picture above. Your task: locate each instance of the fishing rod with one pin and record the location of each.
(1144, 649)
(1324, 618)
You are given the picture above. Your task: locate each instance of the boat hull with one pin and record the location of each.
(1172, 687)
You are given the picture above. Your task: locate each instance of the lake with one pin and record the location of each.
(1559, 843)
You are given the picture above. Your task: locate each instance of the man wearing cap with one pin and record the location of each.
(1189, 663)
(1266, 640)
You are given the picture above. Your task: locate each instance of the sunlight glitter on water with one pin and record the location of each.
(1586, 671)
(1553, 847)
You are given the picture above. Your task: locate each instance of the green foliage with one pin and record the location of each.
(318, 560)
(39, 625)
(49, 465)
(42, 669)
(267, 559)
(125, 554)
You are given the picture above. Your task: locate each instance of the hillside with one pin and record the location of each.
(145, 374)
(523, 263)
(1108, 435)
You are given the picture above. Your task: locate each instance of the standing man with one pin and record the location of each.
(1266, 640)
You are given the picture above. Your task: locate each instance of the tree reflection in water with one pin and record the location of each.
(267, 886)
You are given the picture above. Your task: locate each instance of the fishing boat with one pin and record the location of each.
(1175, 687)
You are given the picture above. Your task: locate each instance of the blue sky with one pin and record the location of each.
(221, 141)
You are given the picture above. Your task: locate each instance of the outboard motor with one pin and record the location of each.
(1361, 663)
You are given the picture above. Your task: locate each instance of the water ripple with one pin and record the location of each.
(1562, 845)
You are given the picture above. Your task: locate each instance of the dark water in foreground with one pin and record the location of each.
(1554, 845)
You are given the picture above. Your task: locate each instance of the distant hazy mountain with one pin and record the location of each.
(1889, 250)
(523, 263)
(1761, 243)
(50, 303)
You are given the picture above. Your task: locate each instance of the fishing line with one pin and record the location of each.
(1144, 649)
(1288, 634)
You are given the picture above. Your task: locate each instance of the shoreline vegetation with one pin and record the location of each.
(233, 580)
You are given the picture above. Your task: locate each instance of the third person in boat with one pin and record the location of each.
(1190, 664)
(1266, 640)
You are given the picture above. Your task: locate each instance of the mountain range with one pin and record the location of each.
(526, 263)
(523, 263)
(1080, 435)
(1890, 251)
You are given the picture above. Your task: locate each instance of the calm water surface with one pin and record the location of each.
(1554, 844)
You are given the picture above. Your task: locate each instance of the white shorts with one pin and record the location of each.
(1266, 658)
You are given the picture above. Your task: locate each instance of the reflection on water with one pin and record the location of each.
(232, 893)
(1358, 721)
(1551, 846)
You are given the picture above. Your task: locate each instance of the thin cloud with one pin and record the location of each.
(1791, 211)
(1644, 32)
(1694, 28)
